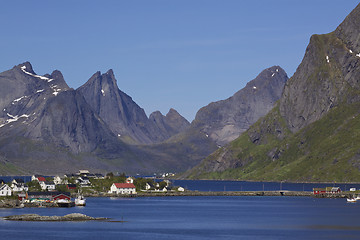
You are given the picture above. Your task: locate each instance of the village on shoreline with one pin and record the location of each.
(55, 191)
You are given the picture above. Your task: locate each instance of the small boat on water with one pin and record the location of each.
(80, 201)
(65, 203)
(351, 200)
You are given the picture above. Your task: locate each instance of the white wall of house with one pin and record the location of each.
(46, 186)
(115, 190)
(5, 190)
(57, 180)
(19, 188)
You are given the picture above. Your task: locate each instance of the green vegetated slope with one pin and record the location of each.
(313, 133)
(327, 150)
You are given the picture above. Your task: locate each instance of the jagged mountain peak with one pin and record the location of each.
(225, 120)
(172, 112)
(349, 30)
(25, 66)
(155, 114)
(268, 75)
(103, 82)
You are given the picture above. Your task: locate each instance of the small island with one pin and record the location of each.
(69, 217)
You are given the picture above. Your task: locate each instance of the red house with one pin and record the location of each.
(71, 186)
(65, 196)
(327, 190)
(319, 190)
(41, 179)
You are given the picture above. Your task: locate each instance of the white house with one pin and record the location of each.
(5, 190)
(149, 186)
(19, 187)
(165, 189)
(123, 188)
(34, 177)
(58, 180)
(83, 181)
(50, 186)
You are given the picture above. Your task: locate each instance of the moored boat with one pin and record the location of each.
(80, 201)
(352, 200)
(65, 203)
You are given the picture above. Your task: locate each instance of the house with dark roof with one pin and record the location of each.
(83, 181)
(5, 190)
(47, 196)
(45, 185)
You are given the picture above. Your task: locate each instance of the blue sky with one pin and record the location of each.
(165, 53)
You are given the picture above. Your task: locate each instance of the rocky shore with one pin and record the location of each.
(225, 193)
(36, 217)
(9, 203)
(13, 203)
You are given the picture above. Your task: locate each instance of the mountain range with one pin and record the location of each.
(313, 132)
(47, 127)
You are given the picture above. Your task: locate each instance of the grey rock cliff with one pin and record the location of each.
(322, 81)
(164, 127)
(124, 116)
(225, 120)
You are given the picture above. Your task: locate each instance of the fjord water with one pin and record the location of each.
(195, 218)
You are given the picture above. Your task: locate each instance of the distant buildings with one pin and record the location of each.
(5, 190)
(122, 188)
(327, 190)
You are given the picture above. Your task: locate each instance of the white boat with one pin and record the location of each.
(358, 197)
(352, 200)
(65, 203)
(80, 201)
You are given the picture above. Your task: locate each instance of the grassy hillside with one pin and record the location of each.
(327, 150)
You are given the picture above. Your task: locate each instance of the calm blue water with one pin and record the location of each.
(196, 218)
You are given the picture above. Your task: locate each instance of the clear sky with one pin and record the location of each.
(182, 54)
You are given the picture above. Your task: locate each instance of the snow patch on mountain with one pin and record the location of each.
(23, 68)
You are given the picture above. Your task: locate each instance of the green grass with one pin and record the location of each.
(327, 150)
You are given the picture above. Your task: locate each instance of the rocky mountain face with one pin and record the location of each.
(42, 118)
(124, 117)
(325, 76)
(222, 121)
(47, 127)
(225, 120)
(312, 134)
(24, 94)
(167, 126)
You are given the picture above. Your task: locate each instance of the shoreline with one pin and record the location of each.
(262, 181)
(284, 193)
(233, 180)
(14, 203)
